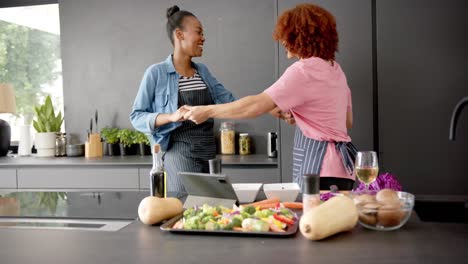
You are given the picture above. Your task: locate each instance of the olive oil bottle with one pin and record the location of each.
(158, 174)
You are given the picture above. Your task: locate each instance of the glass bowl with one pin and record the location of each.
(383, 214)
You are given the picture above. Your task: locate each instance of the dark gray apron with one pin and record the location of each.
(308, 156)
(190, 145)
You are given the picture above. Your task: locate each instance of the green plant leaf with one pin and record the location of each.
(36, 126)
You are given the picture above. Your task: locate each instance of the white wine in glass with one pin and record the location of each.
(366, 167)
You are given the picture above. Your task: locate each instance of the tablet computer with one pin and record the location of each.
(212, 189)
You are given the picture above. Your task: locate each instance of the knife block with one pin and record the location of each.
(93, 148)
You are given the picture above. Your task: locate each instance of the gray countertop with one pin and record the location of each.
(241, 160)
(416, 242)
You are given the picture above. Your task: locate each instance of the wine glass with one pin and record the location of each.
(366, 167)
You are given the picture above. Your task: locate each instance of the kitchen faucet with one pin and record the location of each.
(455, 114)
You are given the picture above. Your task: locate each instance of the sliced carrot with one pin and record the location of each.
(267, 205)
(292, 205)
(266, 201)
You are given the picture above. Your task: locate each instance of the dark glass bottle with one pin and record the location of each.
(157, 174)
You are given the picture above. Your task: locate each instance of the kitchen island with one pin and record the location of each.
(416, 242)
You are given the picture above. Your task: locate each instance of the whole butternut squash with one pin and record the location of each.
(153, 210)
(333, 216)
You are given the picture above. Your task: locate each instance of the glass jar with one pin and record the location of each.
(60, 144)
(244, 144)
(311, 192)
(227, 138)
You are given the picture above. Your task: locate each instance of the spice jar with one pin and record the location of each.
(227, 138)
(244, 144)
(311, 192)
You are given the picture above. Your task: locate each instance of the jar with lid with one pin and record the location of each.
(60, 144)
(227, 138)
(244, 144)
(311, 192)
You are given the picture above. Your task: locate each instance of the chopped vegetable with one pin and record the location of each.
(243, 218)
(283, 219)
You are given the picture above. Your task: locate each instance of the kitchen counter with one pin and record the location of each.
(15, 162)
(416, 242)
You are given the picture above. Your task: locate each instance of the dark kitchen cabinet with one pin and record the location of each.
(422, 73)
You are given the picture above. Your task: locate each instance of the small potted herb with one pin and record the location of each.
(111, 136)
(47, 124)
(144, 144)
(127, 142)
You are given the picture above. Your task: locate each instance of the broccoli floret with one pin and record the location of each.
(228, 226)
(192, 223)
(249, 210)
(207, 218)
(189, 213)
(236, 222)
(265, 213)
(208, 210)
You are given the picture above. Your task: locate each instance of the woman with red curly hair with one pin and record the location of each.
(312, 93)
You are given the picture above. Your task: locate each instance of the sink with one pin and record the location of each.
(447, 210)
(64, 224)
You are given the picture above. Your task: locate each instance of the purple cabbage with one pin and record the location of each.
(383, 181)
(326, 196)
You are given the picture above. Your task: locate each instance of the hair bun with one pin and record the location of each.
(172, 10)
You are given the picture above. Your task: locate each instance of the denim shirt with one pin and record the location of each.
(158, 93)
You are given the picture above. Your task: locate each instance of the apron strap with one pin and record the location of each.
(348, 155)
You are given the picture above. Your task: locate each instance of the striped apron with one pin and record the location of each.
(308, 156)
(190, 145)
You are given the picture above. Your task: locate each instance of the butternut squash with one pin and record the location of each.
(153, 210)
(336, 215)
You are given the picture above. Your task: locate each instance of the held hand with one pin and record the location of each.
(276, 112)
(286, 116)
(289, 118)
(197, 114)
(178, 116)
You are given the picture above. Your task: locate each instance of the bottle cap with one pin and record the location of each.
(243, 134)
(311, 184)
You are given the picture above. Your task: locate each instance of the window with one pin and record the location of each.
(30, 60)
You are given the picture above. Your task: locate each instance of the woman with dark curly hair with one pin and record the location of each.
(312, 92)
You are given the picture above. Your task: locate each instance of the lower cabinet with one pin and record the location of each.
(130, 178)
(8, 179)
(78, 178)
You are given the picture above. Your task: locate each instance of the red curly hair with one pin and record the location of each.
(308, 30)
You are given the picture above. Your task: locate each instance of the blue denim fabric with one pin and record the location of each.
(158, 93)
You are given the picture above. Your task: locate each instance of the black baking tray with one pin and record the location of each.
(290, 230)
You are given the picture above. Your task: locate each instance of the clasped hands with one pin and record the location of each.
(196, 114)
(199, 114)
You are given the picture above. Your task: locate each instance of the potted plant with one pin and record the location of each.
(127, 142)
(111, 136)
(47, 124)
(144, 144)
